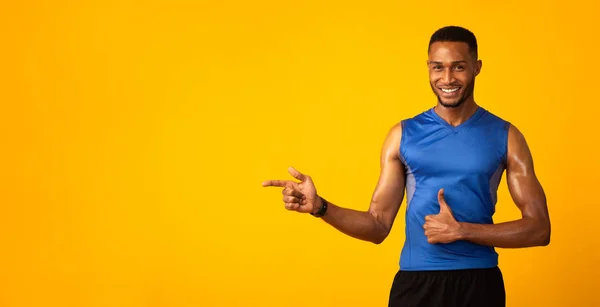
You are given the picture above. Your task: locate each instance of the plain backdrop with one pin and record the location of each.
(135, 136)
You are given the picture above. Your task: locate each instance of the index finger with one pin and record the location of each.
(278, 183)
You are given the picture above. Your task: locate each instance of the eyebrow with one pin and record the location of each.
(454, 62)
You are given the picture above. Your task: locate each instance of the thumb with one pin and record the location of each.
(296, 174)
(443, 205)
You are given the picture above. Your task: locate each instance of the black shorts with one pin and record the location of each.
(464, 288)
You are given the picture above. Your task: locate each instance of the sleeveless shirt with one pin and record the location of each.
(468, 161)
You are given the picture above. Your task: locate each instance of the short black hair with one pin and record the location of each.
(455, 34)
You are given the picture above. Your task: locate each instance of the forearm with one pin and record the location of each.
(525, 232)
(358, 224)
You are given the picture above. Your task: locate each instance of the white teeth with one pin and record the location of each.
(445, 90)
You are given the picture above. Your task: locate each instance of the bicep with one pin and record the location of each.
(389, 191)
(523, 184)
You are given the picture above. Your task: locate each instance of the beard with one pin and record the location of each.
(468, 92)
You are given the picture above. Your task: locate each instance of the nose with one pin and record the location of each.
(447, 76)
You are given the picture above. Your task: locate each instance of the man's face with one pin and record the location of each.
(452, 71)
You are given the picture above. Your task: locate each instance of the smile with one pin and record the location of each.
(450, 90)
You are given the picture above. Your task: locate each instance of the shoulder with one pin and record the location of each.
(425, 115)
(496, 128)
(394, 134)
(519, 156)
(397, 131)
(513, 133)
(394, 137)
(516, 139)
(496, 120)
(417, 122)
(406, 123)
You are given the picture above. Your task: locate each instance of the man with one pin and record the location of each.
(449, 160)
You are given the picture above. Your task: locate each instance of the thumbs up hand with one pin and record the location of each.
(441, 227)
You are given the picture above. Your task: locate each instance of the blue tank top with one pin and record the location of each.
(468, 161)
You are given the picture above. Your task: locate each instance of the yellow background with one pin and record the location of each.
(135, 135)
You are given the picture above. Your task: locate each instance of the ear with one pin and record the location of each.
(478, 65)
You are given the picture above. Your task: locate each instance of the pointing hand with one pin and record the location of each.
(297, 196)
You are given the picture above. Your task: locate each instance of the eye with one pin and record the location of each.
(437, 67)
(459, 67)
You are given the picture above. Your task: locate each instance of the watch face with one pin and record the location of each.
(322, 210)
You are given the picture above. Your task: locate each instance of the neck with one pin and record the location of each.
(458, 115)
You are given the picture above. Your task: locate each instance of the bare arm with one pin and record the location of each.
(372, 225)
(533, 229)
(375, 224)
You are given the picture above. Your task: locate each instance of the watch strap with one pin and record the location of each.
(322, 210)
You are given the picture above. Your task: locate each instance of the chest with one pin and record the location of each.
(446, 153)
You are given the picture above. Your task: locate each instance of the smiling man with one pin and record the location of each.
(448, 161)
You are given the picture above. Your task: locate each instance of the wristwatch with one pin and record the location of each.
(322, 210)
